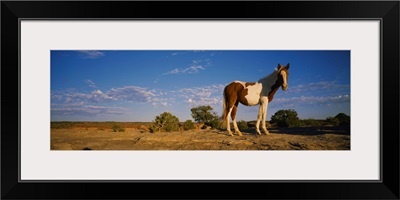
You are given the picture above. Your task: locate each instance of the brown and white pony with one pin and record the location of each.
(252, 94)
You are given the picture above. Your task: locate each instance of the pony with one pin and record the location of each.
(252, 94)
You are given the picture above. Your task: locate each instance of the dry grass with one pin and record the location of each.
(94, 138)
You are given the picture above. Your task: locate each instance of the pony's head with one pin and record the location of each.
(283, 76)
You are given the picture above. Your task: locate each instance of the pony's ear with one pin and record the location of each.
(279, 66)
(287, 66)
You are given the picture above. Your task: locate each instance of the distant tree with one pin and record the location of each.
(165, 122)
(332, 121)
(344, 120)
(205, 114)
(285, 118)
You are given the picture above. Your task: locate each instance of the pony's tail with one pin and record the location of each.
(224, 113)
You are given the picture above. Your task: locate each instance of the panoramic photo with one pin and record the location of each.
(200, 100)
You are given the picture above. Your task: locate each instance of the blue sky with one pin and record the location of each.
(139, 85)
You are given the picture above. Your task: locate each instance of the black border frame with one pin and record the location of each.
(386, 11)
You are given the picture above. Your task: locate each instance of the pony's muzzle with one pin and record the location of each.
(284, 87)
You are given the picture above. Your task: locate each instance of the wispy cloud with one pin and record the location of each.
(208, 95)
(177, 53)
(327, 85)
(131, 93)
(91, 54)
(96, 96)
(86, 110)
(195, 67)
(311, 100)
(127, 93)
(156, 102)
(190, 70)
(72, 102)
(90, 83)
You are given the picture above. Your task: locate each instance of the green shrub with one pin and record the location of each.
(311, 122)
(242, 125)
(205, 114)
(332, 121)
(165, 122)
(285, 118)
(117, 128)
(153, 128)
(215, 123)
(188, 125)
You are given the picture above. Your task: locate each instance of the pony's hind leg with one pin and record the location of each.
(234, 119)
(228, 124)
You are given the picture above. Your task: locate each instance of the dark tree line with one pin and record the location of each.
(166, 122)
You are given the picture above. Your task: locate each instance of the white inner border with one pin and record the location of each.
(39, 37)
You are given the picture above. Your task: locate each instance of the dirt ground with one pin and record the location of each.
(311, 138)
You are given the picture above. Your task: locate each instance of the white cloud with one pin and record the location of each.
(90, 83)
(131, 93)
(312, 100)
(208, 95)
(195, 67)
(95, 96)
(91, 54)
(156, 102)
(57, 97)
(189, 70)
(88, 110)
(324, 85)
(177, 53)
(127, 93)
(71, 102)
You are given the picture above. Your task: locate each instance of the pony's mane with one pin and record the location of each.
(268, 81)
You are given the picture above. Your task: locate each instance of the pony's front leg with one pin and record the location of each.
(264, 106)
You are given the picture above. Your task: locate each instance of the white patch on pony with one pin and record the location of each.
(268, 82)
(253, 94)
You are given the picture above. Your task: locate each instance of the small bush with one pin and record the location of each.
(332, 121)
(117, 128)
(215, 123)
(242, 124)
(153, 128)
(165, 122)
(285, 118)
(188, 125)
(205, 114)
(311, 122)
